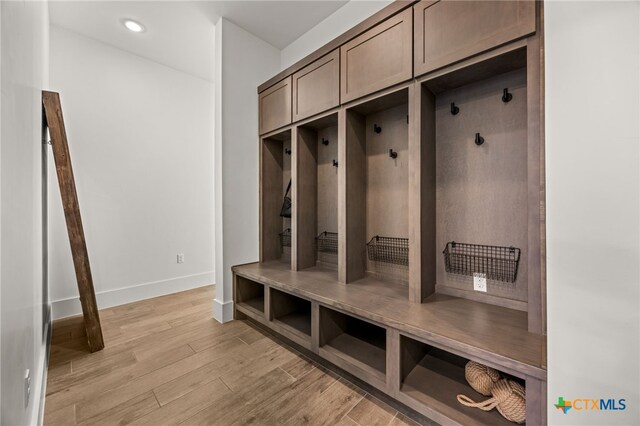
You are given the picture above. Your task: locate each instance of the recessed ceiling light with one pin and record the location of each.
(133, 26)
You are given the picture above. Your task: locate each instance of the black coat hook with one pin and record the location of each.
(479, 139)
(393, 154)
(454, 109)
(506, 96)
(287, 151)
(377, 128)
(325, 142)
(335, 163)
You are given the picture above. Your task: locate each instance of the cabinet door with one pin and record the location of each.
(316, 88)
(448, 31)
(275, 106)
(377, 59)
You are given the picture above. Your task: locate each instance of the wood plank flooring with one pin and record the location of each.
(167, 362)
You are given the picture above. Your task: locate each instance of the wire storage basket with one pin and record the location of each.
(498, 263)
(389, 250)
(285, 238)
(327, 242)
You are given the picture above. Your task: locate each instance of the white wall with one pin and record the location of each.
(24, 43)
(141, 141)
(331, 27)
(593, 207)
(243, 62)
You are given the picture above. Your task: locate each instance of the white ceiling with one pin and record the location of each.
(180, 33)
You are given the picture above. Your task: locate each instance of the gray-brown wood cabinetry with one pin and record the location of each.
(400, 171)
(379, 58)
(316, 87)
(449, 31)
(275, 106)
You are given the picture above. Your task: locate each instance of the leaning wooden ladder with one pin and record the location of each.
(55, 122)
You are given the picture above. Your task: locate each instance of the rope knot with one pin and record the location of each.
(480, 377)
(507, 396)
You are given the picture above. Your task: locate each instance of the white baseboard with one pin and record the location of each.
(68, 307)
(40, 390)
(222, 311)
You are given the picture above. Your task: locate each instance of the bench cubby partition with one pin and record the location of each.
(419, 172)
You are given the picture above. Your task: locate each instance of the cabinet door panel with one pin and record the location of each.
(377, 59)
(448, 31)
(275, 106)
(316, 88)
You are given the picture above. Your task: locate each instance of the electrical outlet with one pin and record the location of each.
(180, 257)
(480, 282)
(27, 387)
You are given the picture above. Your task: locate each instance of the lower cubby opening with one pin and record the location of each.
(358, 342)
(291, 311)
(435, 377)
(250, 294)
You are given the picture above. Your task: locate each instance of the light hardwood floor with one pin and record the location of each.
(167, 362)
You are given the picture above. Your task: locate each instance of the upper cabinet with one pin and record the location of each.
(379, 58)
(275, 106)
(316, 88)
(448, 31)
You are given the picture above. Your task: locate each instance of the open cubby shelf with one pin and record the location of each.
(435, 377)
(250, 294)
(359, 342)
(291, 311)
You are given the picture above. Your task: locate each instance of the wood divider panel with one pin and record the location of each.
(306, 209)
(352, 153)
